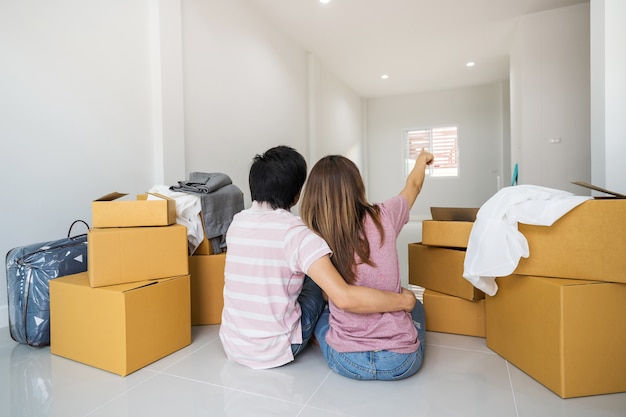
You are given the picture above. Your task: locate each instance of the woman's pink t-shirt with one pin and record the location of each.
(351, 332)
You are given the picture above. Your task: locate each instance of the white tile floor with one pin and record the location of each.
(460, 377)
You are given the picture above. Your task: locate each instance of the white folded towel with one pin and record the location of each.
(495, 244)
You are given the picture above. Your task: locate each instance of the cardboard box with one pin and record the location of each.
(449, 314)
(449, 234)
(119, 328)
(450, 227)
(586, 243)
(610, 193)
(440, 269)
(570, 335)
(207, 288)
(146, 210)
(204, 248)
(129, 254)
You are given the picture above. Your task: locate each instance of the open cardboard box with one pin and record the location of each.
(112, 210)
(450, 227)
(586, 243)
(611, 194)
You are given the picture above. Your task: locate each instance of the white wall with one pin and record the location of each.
(337, 118)
(76, 117)
(550, 98)
(608, 94)
(245, 89)
(478, 113)
(247, 85)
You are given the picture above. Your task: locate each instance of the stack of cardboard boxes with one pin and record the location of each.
(452, 304)
(561, 316)
(132, 307)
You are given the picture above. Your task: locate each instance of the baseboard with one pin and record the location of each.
(4, 316)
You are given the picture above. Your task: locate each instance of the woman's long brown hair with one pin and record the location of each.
(334, 206)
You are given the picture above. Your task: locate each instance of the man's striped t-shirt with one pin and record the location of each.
(268, 253)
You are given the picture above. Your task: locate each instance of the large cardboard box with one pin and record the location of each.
(440, 269)
(207, 288)
(570, 335)
(129, 254)
(119, 328)
(586, 243)
(147, 210)
(449, 314)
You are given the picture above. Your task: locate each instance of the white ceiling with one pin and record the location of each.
(422, 44)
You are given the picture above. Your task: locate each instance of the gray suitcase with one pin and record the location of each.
(29, 269)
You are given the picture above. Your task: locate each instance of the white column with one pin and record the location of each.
(168, 97)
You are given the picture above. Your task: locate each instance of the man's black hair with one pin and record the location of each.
(277, 176)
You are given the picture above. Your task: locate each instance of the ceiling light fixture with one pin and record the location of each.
(470, 64)
(324, 1)
(384, 76)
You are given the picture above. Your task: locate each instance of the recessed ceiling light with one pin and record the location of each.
(470, 64)
(324, 1)
(384, 76)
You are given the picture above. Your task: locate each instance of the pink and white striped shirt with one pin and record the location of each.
(268, 253)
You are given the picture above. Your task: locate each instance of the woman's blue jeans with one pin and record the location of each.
(381, 365)
(312, 305)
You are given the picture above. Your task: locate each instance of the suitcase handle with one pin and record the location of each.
(24, 260)
(69, 232)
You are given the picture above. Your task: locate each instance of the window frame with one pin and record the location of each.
(431, 168)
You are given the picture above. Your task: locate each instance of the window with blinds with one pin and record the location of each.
(442, 142)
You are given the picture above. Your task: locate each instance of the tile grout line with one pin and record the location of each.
(110, 400)
(508, 371)
(154, 374)
(224, 387)
(191, 352)
(313, 394)
(462, 348)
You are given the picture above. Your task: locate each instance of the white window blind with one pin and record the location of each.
(442, 142)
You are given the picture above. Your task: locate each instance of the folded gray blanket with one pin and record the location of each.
(220, 200)
(203, 182)
(218, 210)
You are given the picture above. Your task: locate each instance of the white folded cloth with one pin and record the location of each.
(495, 244)
(188, 207)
